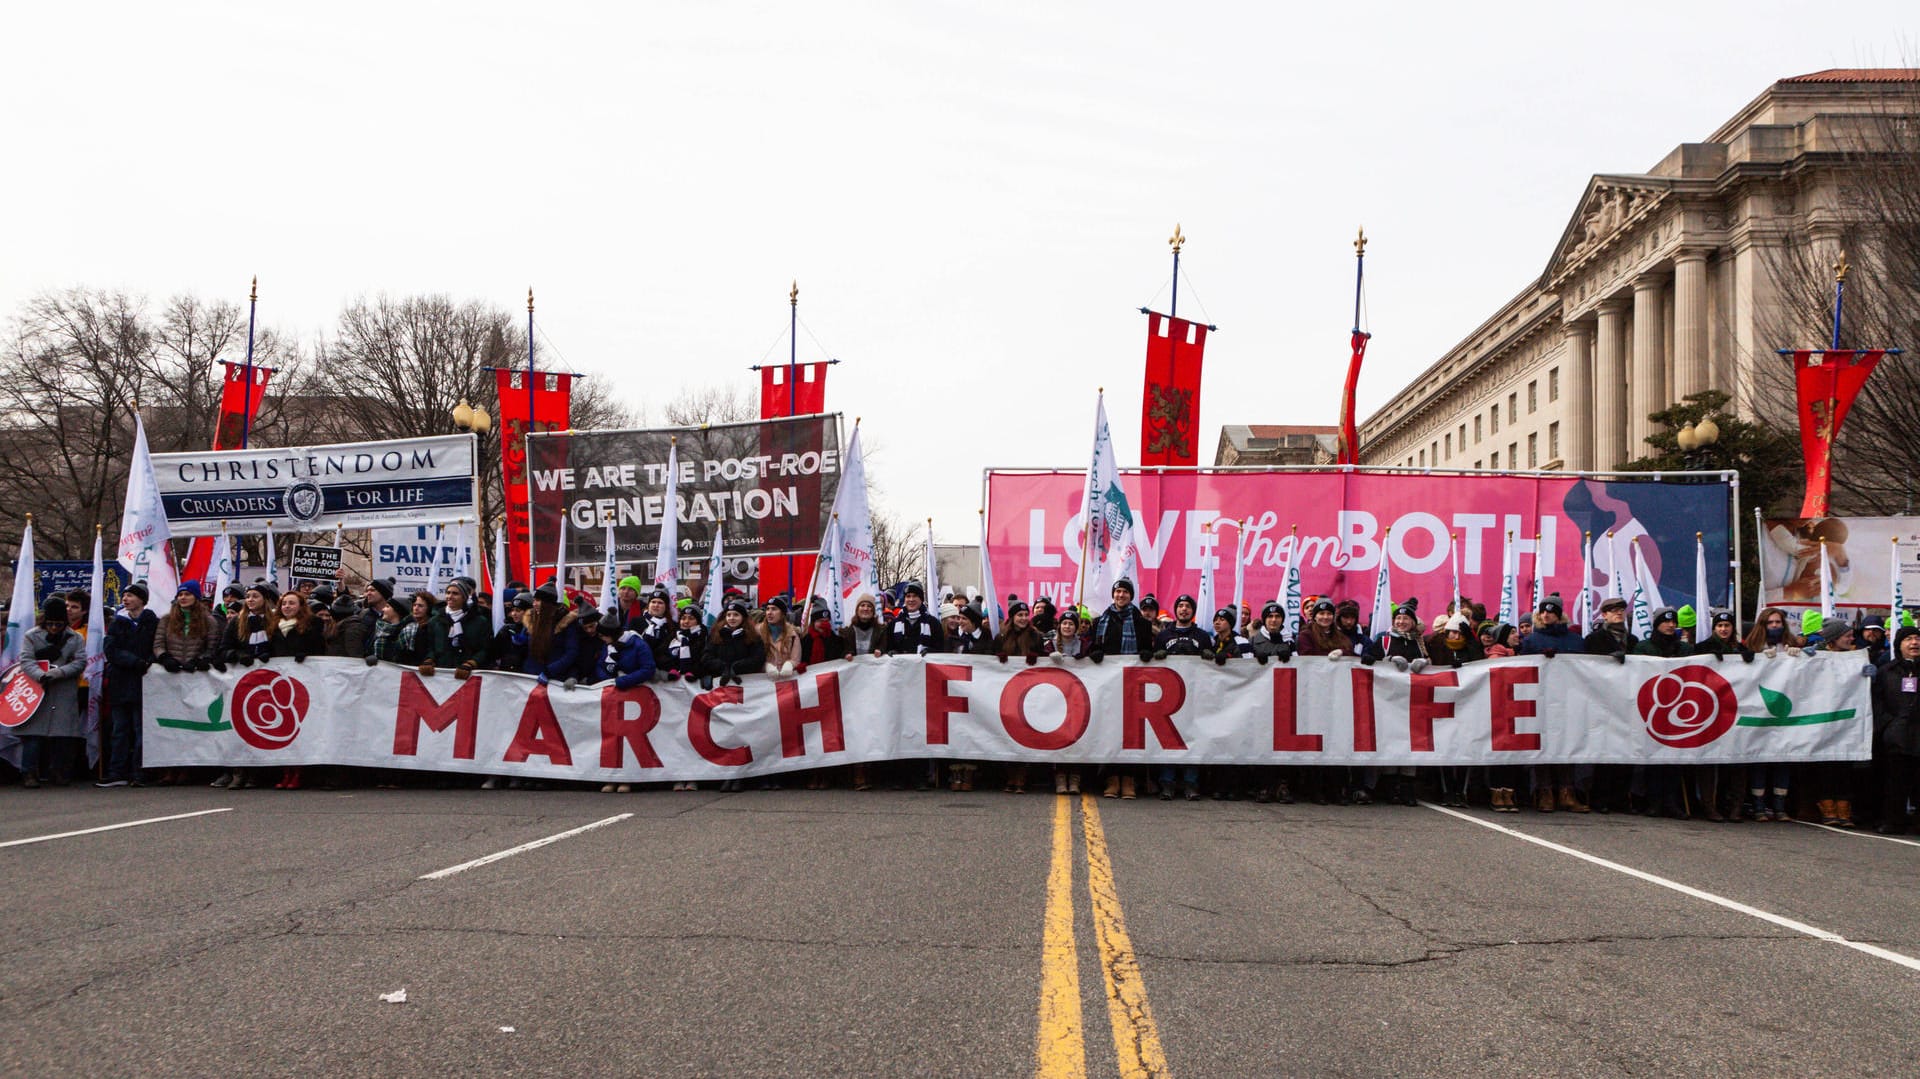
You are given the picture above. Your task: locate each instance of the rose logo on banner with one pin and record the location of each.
(1687, 707)
(267, 709)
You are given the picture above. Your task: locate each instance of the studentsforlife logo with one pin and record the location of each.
(267, 710)
(1692, 706)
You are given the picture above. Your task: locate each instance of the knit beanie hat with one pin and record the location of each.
(1810, 623)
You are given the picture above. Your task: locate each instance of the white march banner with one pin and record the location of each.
(1528, 710)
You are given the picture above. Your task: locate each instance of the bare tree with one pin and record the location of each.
(899, 550)
(697, 406)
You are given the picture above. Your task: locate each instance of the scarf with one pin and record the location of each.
(456, 629)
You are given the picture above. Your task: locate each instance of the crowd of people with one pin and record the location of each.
(559, 636)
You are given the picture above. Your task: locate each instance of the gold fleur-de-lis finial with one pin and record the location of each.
(793, 294)
(1176, 241)
(253, 294)
(529, 299)
(1840, 268)
(1360, 244)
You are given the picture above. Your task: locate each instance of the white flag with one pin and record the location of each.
(273, 569)
(610, 575)
(24, 612)
(560, 562)
(1453, 553)
(1896, 616)
(1382, 616)
(1640, 603)
(499, 578)
(1509, 569)
(226, 566)
(1240, 572)
(96, 654)
(1109, 548)
(986, 581)
(1702, 610)
(1539, 574)
(858, 570)
(1290, 586)
(1826, 588)
(1204, 602)
(666, 560)
(713, 595)
(1583, 604)
(1614, 591)
(146, 543)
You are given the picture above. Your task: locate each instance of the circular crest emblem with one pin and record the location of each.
(267, 709)
(1687, 707)
(302, 502)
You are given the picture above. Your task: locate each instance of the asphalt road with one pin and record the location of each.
(890, 933)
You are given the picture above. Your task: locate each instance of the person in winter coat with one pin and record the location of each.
(1184, 637)
(1225, 644)
(1320, 635)
(655, 622)
(1612, 637)
(460, 635)
(1268, 640)
(412, 644)
(129, 652)
(781, 638)
(689, 641)
(1665, 642)
(1872, 637)
(1551, 635)
(1122, 630)
(1503, 641)
(1021, 639)
(973, 639)
(1346, 616)
(915, 631)
(864, 634)
(1896, 721)
(1664, 783)
(294, 634)
(373, 607)
(1769, 784)
(503, 651)
(734, 648)
(187, 638)
(247, 639)
(819, 643)
(553, 643)
(1402, 646)
(1067, 641)
(625, 660)
(53, 655)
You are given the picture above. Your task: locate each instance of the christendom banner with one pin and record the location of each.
(1316, 710)
(1170, 403)
(1826, 384)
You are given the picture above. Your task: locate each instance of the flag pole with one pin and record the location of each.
(246, 413)
(1359, 274)
(1086, 504)
(793, 388)
(1839, 294)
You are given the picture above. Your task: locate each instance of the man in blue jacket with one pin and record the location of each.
(129, 652)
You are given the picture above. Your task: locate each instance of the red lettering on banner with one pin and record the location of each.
(940, 703)
(1363, 741)
(1424, 709)
(539, 734)
(700, 728)
(617, 728)
(795, 718)
(1136, 711)
(417, 706)
(1507, 708)
(1286, 714)
(1013, 709)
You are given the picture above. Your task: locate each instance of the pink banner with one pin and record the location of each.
(1345, 520)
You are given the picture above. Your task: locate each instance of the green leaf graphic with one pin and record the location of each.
(220, 703)
(1779, 705)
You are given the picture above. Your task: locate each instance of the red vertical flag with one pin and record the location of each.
(1170, 404)
(1825, 385)
(778, 399)
(1349, 430)
(241, 391)
(551, 403)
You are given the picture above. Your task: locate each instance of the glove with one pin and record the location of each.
(771, 669)
(244, 659)
(541, 678)
(706, 681)
(170, 664)
(1772, 651)
(1338, 654)
(1260, 658)
(569, 685)
(799, 668)
(1096, 655)
(787, 667)
(1219, 659)
(1368, 659)
(1620, 658)
(1003, 658)
(426, 669)
(1746, 655)
(1059, 657)
(1550, 653)
(1869, 671)
(1032, 659)
(1286, 652)
(1158, 653)
(199, 664)
(300, 657)
(373, 661)
(219, 665)
(461, 672)
(1796, 651)
(1400, 663)
(1417, 665)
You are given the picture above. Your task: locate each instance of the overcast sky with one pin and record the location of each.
(973, 197)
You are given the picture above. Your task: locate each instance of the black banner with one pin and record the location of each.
(769, 484)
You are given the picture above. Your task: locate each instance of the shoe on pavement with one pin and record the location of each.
(105, 783)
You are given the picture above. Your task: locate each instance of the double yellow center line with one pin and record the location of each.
(1060, 1051)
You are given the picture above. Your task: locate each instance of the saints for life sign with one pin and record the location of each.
(422, 559)
(769, 484)
(319, 488)
(1314, 710)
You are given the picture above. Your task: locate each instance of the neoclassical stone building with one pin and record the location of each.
(1661, 286)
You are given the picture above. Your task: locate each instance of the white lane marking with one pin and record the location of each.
(1860, 833)
(112, 827)
(1735, 905)
(441, 874)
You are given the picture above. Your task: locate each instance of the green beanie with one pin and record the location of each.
(1810, 623)
(1906, 618)
(1687, 617)
(630, 581)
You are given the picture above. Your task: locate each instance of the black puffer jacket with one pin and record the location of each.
(1896, 710)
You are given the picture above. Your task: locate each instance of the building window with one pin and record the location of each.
(1553, 384)
(1434, 455)
(1479, 464)
(1493, 460)
(1553, 441)
(1513, 455)
(1493, 419)
(1513, 410)
(1533, 397)
(1476, 429)
(1423, 458)
(1463, 438)
(1533, 451)
(1449, 442)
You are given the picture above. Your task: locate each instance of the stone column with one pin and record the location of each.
(1610, 387)
(1649, 388)
(1576, 397)
(1690, 372)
